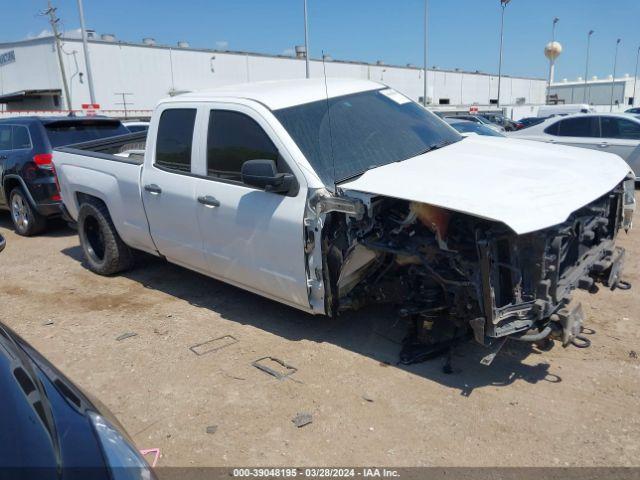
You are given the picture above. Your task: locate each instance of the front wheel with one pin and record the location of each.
(26, 220)
(104, 250)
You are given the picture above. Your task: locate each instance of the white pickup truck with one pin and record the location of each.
(337, 196)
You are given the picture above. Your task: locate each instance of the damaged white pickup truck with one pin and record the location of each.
(338, 196)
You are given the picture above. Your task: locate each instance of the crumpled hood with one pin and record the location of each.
(524, 184)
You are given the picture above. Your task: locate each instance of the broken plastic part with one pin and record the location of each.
(274, 367)
(352, 207)
(434, 218)
(213, 345)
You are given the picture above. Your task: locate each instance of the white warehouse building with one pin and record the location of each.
(598, 92)
(135, 76)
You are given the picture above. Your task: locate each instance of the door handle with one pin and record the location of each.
(603, 145)
(209, 201)
(153, 189)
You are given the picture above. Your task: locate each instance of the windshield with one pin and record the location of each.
(67, 132)
(479, 128)
(366, 130)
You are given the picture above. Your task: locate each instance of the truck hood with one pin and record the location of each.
(524, 184)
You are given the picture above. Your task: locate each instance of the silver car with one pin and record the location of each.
(617, 133)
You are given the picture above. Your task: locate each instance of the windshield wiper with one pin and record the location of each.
(430, 148)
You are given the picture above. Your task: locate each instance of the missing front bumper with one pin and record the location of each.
(550, 293)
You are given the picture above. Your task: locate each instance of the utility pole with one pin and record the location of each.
(613, 80)
(124, 102)
(426, 50)
(306, 41)
(585, 98)
(85, 46)
(635, 78)
(53, 20)
(504, 4)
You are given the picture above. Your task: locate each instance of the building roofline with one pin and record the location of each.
(591, 82)
(49, 39)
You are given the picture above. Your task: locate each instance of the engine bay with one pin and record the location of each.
(454, 276)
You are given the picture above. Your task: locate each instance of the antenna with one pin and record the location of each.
(326, 92)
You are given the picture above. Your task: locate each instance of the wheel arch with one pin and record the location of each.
(9, 182)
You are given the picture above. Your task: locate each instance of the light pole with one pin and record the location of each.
(306, 41)
(426, 45)
(635, 78)
(551, 59)
(585, 98)
(503, 4)
(85, 47)
(613, 80)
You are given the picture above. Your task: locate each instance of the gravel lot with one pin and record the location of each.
(530, 408)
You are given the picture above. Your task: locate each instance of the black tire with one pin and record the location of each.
(103, 249)
(26, 221)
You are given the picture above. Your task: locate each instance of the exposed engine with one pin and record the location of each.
(458, 276)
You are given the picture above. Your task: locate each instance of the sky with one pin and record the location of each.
(462, 33)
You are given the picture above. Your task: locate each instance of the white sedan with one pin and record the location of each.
(608, 132)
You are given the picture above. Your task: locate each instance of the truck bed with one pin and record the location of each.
(116, 149)
(109, 170)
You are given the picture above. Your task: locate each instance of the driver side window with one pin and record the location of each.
(232, 139)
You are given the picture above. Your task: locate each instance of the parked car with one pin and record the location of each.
(51, 429)
(480, 120)
(564, 109)
(610, 132)
(466, 127)
(136, 126)
(333, 199)
(27, 180)
(527, 122)
(500, 120)
(635, 110)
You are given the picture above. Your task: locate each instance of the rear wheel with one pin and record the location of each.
(104, 250)
(26, 220)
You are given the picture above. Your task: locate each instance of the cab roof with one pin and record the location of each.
(283, 93)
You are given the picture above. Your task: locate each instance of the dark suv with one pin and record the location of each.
(28, 186)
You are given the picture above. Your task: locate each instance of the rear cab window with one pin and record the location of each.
(67, 132)
(174, 142)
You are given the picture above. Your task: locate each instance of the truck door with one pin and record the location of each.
(169, 188)
(252, 238)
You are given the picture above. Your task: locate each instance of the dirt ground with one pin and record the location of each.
(530, 408)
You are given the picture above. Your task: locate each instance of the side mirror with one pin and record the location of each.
(2, 243)
(264, 174)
